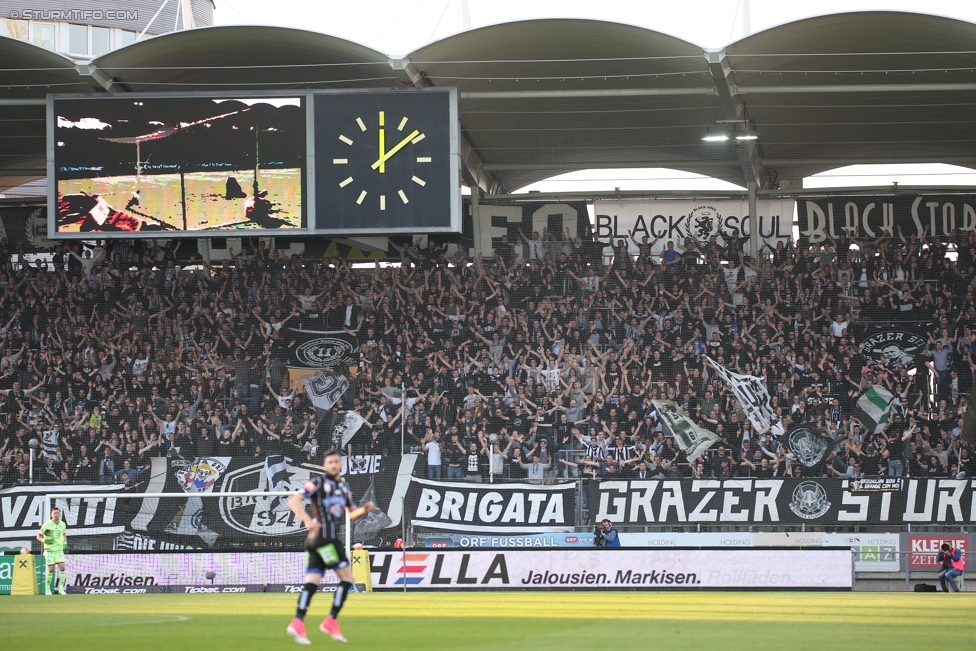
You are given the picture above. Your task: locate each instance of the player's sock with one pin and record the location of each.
(49, 576)
(340, 598)
(305, 600)
(57, 579)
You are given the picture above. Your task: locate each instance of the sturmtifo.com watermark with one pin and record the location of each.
(73, 14)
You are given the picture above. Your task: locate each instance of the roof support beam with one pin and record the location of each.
(563, 94)
(472, 166)
(735, 109)
(853, 88)
(684, 163)
(98, 79)
(23, 102)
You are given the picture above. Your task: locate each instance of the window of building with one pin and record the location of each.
(78, 39)
(16, 29)
(101, 41)
(124, 37)
(43, 35)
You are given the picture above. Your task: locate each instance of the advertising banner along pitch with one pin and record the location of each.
(598, 569)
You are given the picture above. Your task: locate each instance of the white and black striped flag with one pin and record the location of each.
(753, 397)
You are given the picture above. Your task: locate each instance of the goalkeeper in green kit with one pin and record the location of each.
(53, 536)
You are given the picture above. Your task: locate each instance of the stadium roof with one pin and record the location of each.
(543, 97)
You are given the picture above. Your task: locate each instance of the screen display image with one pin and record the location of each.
(173, 164)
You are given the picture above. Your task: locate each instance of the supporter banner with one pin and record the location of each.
(612, 569)
(893, 347)
(881, 216)
(493, 221)
(461, 506)
(22, 510)
(25, 229)
(753, 397)
(816, 502)
(321, 348)
(691, 438)
(124, 521)
(530, 540)
(923, 551)
(673, 221)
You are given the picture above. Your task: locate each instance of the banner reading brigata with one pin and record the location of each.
(597, 569)
(929, 215)
(459, 506)
(673, 221)
(816, 502)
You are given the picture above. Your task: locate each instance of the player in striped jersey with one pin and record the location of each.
(331, 499)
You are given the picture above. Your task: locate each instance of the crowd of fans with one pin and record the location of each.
(537, 364)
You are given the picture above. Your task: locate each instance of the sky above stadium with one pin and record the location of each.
(397, 27)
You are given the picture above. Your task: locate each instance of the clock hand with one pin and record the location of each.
(400, 145)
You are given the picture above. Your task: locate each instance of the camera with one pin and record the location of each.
(598, 535)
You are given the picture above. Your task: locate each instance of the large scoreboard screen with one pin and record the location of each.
(186, 165)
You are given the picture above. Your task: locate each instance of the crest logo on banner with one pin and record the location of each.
(198, 477)
(202, 474)
(323, 351)
(896, 347)
(703, 222)
(262, 515)
(809, 501)
(808, 446)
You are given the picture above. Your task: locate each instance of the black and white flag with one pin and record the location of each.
(325, 388)
(752, 395)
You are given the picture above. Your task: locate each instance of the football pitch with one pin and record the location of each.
(494, 620)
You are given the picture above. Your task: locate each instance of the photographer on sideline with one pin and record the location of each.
(605, 535)
(951, 560)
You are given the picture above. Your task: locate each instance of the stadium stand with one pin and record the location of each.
(123, 350)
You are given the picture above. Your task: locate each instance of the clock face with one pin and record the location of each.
(386, 162)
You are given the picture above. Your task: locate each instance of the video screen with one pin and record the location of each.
(178, 164)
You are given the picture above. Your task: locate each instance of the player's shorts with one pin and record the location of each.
(325, 555)
(53, 558)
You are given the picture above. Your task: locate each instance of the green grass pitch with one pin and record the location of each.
(725, 621)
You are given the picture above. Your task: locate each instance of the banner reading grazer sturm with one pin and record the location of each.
(812, 502)
(461, 506)
(753, 397)
(691, 438)
(600, 569)
(928, 215)
(674, 221)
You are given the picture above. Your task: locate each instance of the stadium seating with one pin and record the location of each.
(133, 352)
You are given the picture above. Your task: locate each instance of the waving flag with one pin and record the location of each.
(752, 395)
